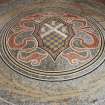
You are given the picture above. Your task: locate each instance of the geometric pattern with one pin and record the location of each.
(54, 42)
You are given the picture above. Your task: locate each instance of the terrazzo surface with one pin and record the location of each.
(52, 52)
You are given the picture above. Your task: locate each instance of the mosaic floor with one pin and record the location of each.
(52, 52)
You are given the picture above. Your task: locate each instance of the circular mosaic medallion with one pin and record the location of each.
(52, 46)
